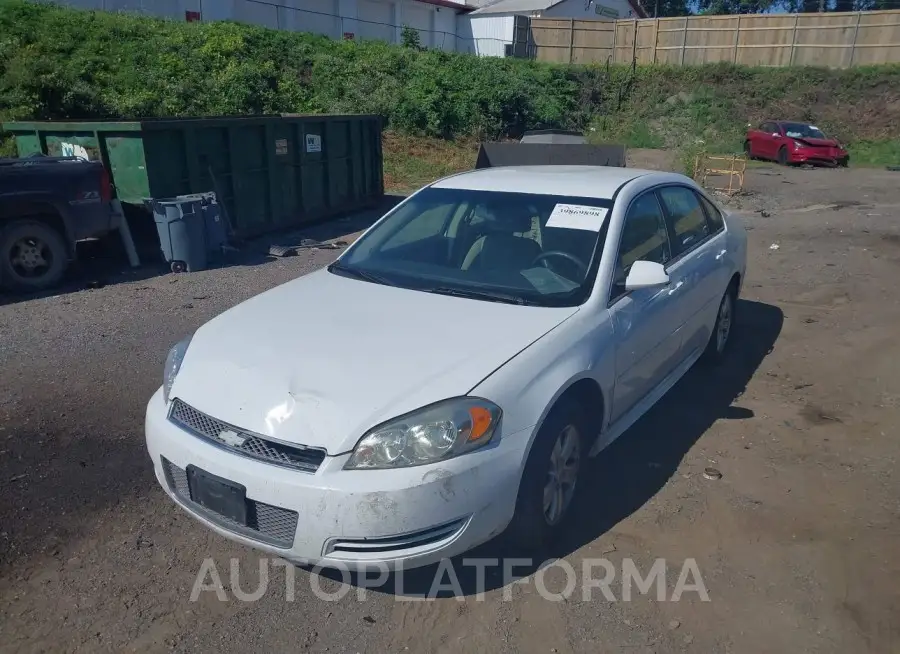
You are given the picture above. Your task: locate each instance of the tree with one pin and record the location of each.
(666, 8)
(733, 7)
(410, 38)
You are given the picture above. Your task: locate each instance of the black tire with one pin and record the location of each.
(178, 266)
(843, 163)
(33, 256)
(747, 151)
(716, 348)
(783, 156)
(530, 528)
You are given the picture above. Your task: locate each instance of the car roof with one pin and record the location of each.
(600, 182)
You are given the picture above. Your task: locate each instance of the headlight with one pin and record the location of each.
(173, 365)
(431, 434)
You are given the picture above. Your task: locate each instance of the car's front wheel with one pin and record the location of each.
(551, 478)
(783, 156)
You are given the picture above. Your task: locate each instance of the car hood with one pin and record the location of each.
(819, 143)
(322, 359)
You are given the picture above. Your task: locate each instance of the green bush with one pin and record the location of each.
(63, 63)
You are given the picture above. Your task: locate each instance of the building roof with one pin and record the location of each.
(449, 4)
(529, 6)
(578, 181)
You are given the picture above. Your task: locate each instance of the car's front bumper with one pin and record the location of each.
(815, 156)
(358, 519)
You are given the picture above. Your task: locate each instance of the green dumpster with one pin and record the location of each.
(269, 172)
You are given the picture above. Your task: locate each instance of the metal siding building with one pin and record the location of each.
(486, 36)
(352, 19)
(494, 32)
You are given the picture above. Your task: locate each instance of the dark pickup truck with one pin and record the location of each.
(46, 205)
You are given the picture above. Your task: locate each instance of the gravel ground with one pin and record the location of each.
(796, 543)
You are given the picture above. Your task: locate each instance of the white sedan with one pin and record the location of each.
(446, 378)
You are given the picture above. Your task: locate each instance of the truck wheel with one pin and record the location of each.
(33, 256)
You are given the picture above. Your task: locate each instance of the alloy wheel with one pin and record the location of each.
(30, 257)
(723, 328)
(562, 475)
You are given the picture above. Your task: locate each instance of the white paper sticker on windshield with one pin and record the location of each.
(577, 216)
(814, 127)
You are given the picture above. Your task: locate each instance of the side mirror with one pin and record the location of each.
(646, 274)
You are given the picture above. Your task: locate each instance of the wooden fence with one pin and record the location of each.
(835, 40)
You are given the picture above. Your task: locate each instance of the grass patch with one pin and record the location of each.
(875, 153)
(411, 162)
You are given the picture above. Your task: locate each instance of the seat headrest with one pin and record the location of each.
(506, 219)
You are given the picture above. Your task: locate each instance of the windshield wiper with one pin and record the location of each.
(480, 295)
(359, 274)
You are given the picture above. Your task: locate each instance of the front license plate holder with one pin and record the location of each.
(218, 495)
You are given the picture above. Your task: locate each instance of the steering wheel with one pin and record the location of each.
(571, 258)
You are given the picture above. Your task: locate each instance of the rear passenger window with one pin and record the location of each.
(715, 216)
(687, 216)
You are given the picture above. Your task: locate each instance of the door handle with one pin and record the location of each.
(675, 288)
(721, 254)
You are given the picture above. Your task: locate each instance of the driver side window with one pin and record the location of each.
(644, 237)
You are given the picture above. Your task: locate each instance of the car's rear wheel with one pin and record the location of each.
(748, 151)
(783, 156)
(33, 256)
(724, 327)
(550, 482)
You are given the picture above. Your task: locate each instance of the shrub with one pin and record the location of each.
(64, 63)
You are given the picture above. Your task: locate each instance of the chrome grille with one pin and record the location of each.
(290, 456)
(265, 523)
(398, 543)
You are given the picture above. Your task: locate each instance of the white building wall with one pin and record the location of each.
(445, 29)
(315, 16)
(359, 19)
(486, 36)
(419, 17)
(376, 20)
(595, 9)
(221, 10)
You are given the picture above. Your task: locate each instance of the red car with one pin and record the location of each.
(790, 143)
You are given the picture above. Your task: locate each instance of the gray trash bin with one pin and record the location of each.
(182, 233)
(216, 228)
(191, 230)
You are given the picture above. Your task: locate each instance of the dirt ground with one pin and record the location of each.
(796, 542)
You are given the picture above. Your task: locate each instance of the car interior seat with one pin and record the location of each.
(504, 243)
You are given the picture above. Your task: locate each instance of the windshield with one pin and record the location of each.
(505, 247)
(801, 131)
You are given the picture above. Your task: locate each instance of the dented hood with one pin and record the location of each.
(818, 143)
(322, 359)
